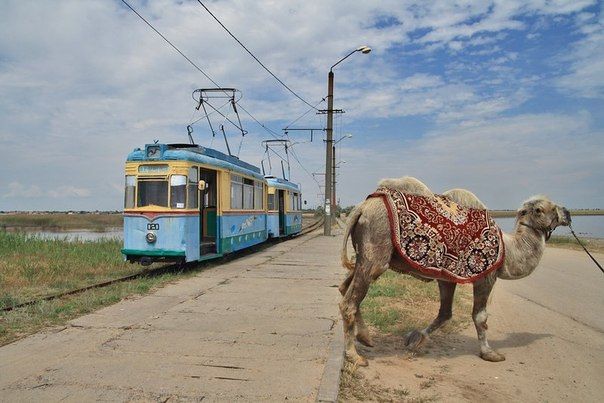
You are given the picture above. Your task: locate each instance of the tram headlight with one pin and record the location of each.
(151, 237)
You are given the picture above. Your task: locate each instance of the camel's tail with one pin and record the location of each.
(351, 222)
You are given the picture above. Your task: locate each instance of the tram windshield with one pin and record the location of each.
(152, 192)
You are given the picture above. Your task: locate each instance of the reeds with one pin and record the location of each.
(63, 221)
(31, 267)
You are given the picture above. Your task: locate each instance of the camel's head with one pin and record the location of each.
(543, 215)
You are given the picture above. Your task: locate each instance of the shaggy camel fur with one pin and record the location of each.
(369, 228)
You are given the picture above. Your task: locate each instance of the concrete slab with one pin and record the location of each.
(262, 327)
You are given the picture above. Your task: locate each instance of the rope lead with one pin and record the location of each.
(585, 249)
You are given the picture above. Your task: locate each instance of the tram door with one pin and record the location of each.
(281, 212)
(207, 212)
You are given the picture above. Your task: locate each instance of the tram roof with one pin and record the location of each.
(195, 153)
(281, 183)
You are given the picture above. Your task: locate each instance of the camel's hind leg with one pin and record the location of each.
(482, 289)
(362, 332)
(349, 306)
(365, 273)
(416, 338)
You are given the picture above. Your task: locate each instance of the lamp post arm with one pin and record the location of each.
(342, 59)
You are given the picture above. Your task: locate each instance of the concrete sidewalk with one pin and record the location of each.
(262, 327)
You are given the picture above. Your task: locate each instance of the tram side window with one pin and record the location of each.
(152, 192)
(271, 202)
(192, 191)
(130, 192)
(178, 191)
(248, 194)
(258, 195)
(236, 192)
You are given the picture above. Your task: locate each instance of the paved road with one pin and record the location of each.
(262, 327)
(566, 282)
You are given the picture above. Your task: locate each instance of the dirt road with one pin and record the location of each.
(549, 326)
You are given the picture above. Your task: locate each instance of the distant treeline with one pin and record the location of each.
(512, 213)
(62, 221)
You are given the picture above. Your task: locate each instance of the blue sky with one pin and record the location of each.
(505, 98)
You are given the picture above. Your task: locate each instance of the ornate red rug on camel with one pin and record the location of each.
(439, 238)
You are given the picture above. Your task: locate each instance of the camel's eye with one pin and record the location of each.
(538, 210)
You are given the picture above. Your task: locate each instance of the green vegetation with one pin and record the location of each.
(21, 322)
(578, 212)
(396, 304)
(595, 245)
(61, 221)
(31, 267)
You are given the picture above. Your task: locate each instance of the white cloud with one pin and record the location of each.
(68, 192)
(586, 77)
(503, 161)
(18, 190)
(90, 81)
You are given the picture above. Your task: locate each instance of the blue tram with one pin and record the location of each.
(186, 203)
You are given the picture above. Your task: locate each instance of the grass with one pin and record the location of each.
(354, 386)
(61, 221)
(21, 322)
(594, 245)
(396, 304)
(31, 267)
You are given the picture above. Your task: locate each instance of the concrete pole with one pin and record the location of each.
(334, 204)
(329, 155)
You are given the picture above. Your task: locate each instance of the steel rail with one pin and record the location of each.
(171, 268)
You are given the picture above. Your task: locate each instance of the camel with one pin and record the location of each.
(369, 228)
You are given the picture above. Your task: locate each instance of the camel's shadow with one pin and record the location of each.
(445, 345)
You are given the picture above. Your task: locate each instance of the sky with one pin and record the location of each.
(504, 98)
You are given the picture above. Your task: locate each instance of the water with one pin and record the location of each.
(81, 235)
(590, 226)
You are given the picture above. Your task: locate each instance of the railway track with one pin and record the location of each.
(171, 268)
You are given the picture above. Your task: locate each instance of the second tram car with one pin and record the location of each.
(188, 203)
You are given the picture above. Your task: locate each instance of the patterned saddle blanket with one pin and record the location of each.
(441, 239)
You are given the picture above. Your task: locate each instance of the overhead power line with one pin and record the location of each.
(306, 113)
(170, 43)
(255, 58)
(271, 132)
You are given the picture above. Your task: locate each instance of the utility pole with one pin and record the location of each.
(329, 145)
(329, 155)
(333, 190)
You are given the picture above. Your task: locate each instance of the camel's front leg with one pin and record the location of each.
(416, 338)
(482, 290)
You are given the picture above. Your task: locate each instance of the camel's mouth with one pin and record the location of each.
(563, 217)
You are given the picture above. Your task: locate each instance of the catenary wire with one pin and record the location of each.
(305, 113)
(271, 132)
(254, 56)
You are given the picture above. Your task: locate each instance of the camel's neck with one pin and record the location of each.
(523, 251)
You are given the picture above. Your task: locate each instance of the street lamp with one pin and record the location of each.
(329, 141)
(333, 159)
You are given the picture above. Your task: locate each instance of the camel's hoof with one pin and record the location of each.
(415, 339)
(365, 339)
(492, 356)
(357, 360)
